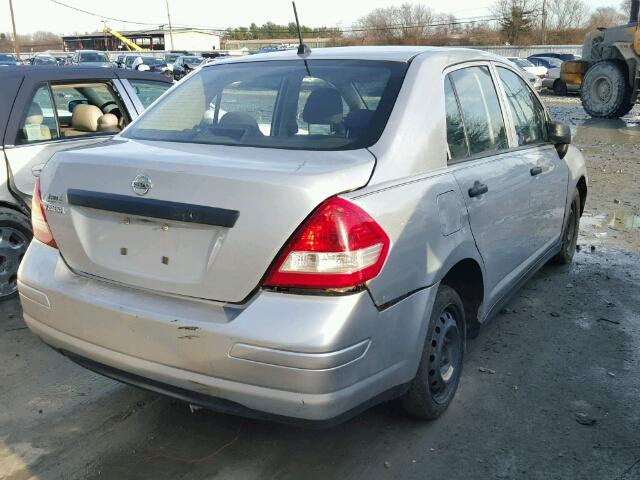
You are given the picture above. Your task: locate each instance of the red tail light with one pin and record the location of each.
(41, 230)
(338, 246)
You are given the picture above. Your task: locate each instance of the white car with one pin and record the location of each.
(527, 66)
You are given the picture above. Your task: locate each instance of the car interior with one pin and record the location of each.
(87, 108)
(82, 109)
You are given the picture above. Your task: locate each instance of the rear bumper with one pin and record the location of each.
(314, 358)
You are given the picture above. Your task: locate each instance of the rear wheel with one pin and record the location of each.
(436, 382)
(570, 233)
(605, 91)
(15, 236)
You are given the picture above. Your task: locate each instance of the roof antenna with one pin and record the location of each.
(302, 48)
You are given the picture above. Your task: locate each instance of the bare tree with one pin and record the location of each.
(606, 17)
(516, 17)
(567, 15)
(407, 22)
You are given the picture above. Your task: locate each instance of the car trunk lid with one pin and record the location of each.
(196, 220)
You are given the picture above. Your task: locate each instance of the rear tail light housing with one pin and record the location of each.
(39, 225)
(338, 247)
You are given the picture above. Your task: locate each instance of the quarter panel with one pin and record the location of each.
(420, 254)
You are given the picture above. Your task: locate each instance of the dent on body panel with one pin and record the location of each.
(420, 253)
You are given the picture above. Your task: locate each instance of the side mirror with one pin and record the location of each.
(560, 136)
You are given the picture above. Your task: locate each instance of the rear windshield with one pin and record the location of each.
(5, 57)
(93, 57)
(292, 104)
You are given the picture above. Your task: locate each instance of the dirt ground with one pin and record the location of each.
(566, 348)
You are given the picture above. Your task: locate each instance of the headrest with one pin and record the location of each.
(34, 116)
(85, 117)
(108, 123)
(323, 107)
(357, 121)
(239, 120)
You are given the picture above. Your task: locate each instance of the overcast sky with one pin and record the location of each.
(32, 15)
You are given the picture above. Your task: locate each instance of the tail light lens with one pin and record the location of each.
(338, 246)
(41, 230)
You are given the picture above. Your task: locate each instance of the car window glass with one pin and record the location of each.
(527, 112)
(307, 87)
(100, 110)
(148, 91)
(456, 137)
(481, 110)
(255, 98)
(39, 122)
(312, 105)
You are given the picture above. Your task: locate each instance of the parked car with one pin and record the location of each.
(560, 56)
(8, 59)
(90, 58)
(152, 64)
(120, 60)
(44, 59)
(534, 80)
(537, 70)
(553, 81)
(185, 65)
(326, 244)
(171, 57)
(51, 109)
(128, 61)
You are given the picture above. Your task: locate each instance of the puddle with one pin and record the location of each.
(611, 132)
(620, 220)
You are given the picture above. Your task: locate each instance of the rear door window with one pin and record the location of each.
(483, 119)
(100, 109)
(528, 114)
(39, 121)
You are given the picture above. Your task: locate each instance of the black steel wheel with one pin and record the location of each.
(15, 236)
(436, 381)
(570, 233)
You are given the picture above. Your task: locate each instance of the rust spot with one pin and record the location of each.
(189, 328)
(188, 337)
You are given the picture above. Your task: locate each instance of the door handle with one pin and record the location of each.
(535, 171)
(478, 189)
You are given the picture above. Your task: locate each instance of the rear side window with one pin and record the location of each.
(292, 104)
(456, 137)
(527, 112)
(39, 121)
(481, 110)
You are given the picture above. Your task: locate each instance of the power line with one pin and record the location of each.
(58, 2)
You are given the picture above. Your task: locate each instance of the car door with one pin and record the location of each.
(40, 126)
(549, 172)
(495, 180)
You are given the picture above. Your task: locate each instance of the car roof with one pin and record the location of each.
(383, 53)
(55, 73)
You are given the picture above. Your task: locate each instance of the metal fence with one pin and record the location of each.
(523, 52)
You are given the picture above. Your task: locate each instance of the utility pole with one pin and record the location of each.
(170, 28)
(544, 22)
(16, 42)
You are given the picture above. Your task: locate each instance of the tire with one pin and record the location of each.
(15, 236)
(605, 92)
(560, 88)
(569, 233)
(436, 382)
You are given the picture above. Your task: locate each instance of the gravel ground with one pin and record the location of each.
(566, 350)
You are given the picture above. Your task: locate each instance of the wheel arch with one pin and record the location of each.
(466, 277)
(582, 190)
